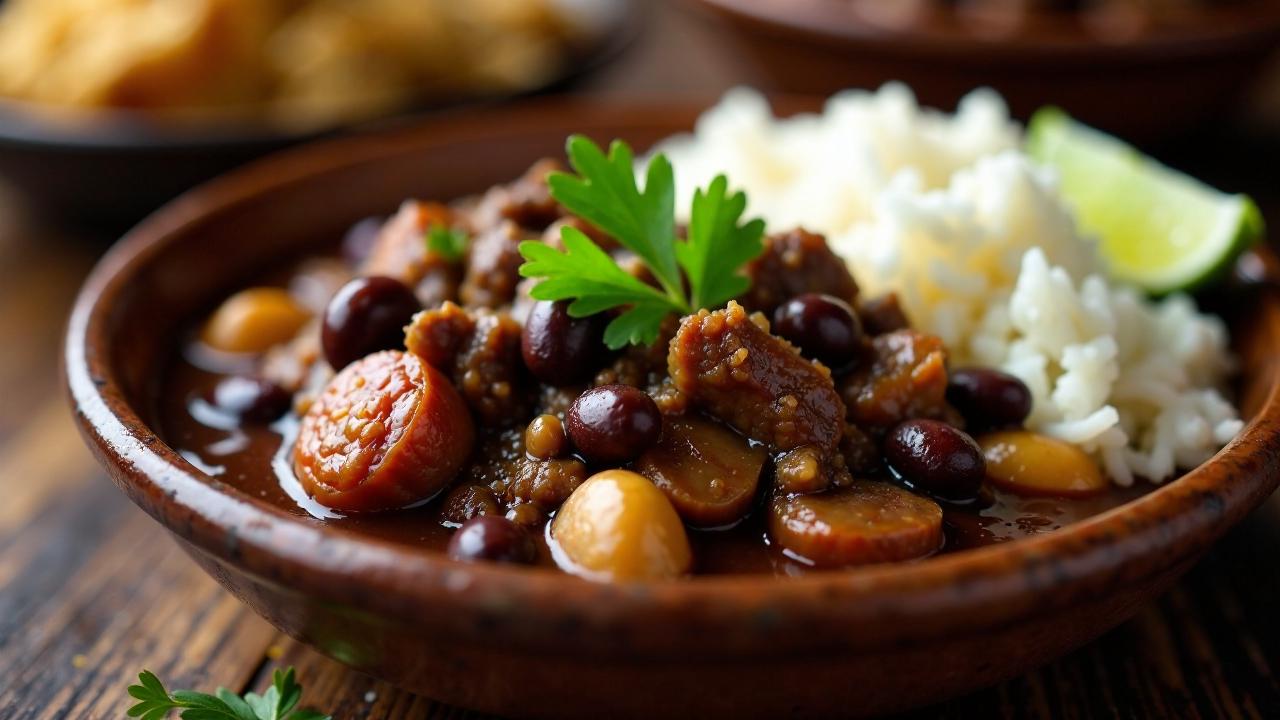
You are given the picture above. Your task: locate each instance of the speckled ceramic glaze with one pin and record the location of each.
(530, 642)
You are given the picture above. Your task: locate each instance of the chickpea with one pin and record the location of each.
(545, 438)
(618, 526)
(1028, 463)
(253, 320)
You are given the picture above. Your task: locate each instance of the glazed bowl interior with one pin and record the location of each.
(184, 259)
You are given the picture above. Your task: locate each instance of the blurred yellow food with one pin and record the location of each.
(253, 320)
(293, 61)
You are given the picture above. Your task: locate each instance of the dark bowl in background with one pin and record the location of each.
(110, 169)
(1150, 85)
(107, 168)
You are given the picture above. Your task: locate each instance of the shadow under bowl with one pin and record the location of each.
(532, 642)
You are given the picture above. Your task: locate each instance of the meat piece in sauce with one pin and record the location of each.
(794, 263)
(527, 202)
(883, 314)
(545, 483)
(641, 366)
(480, 351)
(904, 377)
(503, 465)
(401, 252)
(493, 266)
(867, 522)
(316, 281)
(388, 431)
(728, 364)
(290, 364)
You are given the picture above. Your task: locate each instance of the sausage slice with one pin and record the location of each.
(867, 522)
(388, 431)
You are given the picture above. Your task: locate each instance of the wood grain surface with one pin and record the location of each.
(92, 590)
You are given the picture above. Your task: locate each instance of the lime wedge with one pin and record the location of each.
(1158, 229)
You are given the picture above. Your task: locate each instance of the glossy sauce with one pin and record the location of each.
(255, 459)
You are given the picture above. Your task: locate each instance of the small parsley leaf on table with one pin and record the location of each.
(605, 194)
(277, 703)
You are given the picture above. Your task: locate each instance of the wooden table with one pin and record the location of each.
(92, 590)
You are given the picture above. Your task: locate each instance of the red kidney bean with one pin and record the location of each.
(936, 458)
(560, 349)
(366, 315)
(988, 398)
(823, 327)
(251, 400)
(614, 423)
(493, 538)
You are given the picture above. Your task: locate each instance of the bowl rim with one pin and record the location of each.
(967, 592)
(1226, 30)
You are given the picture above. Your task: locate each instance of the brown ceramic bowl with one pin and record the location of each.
(1151, 81)
(538, 643)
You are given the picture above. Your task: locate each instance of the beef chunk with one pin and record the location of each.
(793, 263)
(728, 364)
(401, 252)
(493, 267)
(904, 376)
(315, 281)
(480, 351)
(860, 451)
(883, 315)
(298, 364)
(641, 366)
(527, 202)
(438, 335)
(545, 483)
(490, 372)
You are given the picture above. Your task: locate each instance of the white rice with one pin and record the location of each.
(973, 235)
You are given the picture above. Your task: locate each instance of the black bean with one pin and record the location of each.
(366, 315)
(823, 327)
(250, 399)
(936, 458)
(492, 538)
(988, 398)
(614, 423)
(560, 349)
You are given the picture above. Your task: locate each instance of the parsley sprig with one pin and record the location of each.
(277, 703)
(450, 243)
(605, 194)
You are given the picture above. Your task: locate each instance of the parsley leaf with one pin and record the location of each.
(448, 242)
(277, 703)
(589, 276)
(605, 194)
(718, 246)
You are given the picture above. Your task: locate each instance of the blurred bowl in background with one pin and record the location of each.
(1148, 71)
(99, 132)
